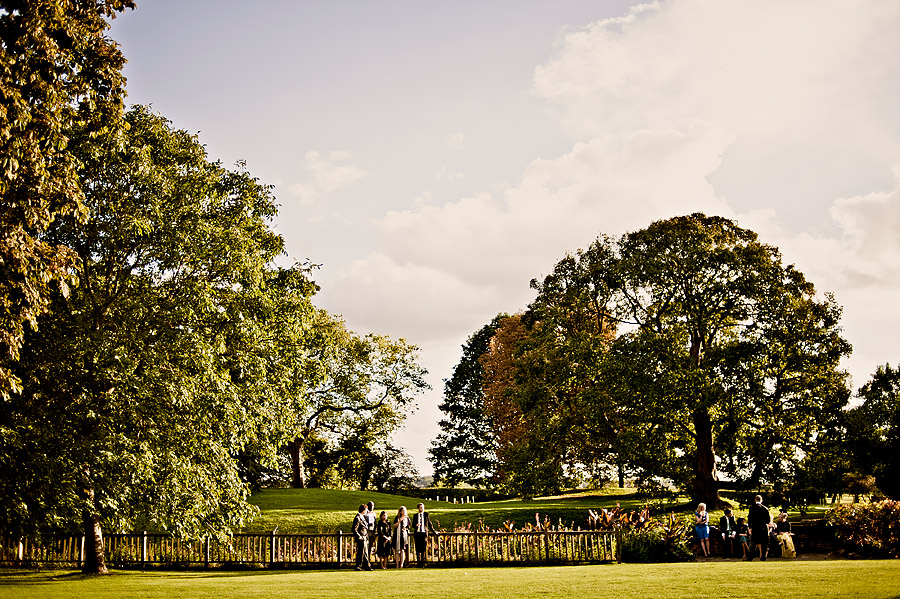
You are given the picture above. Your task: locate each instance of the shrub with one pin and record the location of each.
(655, 544)
(868, 529)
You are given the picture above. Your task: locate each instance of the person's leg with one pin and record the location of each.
(420, 548)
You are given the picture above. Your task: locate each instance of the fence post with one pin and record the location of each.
(144, 550)
(206, 543)
(476, 546)
(618, 546)
(272, 551)
(81, 552)
(340, 555)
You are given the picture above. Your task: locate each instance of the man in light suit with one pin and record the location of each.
(421, 526)
(361, 535)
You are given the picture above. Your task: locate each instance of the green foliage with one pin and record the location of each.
(869, 529)
(653, 545)
(60, 77)
(464, 451)
(136, 393)
(356, 391)
(728, 360)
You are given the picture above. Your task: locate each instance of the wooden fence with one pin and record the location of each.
(315, 550)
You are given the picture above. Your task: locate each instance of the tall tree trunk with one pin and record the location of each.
(621, 469)
(94, 558)
(706, 487)
(298, 472)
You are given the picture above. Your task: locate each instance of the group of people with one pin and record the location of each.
(386, 537)
(752, 534)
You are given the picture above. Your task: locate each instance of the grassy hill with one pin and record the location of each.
(326, 510)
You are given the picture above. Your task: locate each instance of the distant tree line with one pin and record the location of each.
(685, 352)
(156, 362)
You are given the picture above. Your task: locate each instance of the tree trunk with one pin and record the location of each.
(94, 558)
(621, 475)
(706, 487)
(297, 470)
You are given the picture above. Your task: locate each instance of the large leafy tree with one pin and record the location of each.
(674, 351)
(353, 386)
(60, 76)
(745, 350)
(465, 450)
(146, 380)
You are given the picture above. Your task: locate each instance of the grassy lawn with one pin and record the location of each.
(791, 579)
(324, 510)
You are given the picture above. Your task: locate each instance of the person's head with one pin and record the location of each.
(402, 511)
(371, 506)
(421, 507)
(701, 507)
(362, 508)
(758, 499)
(740, 521)
(783, 516)
(383, 516)
(728, 511)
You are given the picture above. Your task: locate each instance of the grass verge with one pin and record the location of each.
(757, 580)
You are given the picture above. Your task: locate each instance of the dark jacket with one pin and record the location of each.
(415, 522)
(758, 516)
(727, 525)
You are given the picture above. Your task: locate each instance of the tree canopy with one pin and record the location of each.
(182, 350)
(676, 351)
(60, 76)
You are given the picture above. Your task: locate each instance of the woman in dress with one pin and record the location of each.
(783, 534)
(401, 537)
(701, 526)
(383, 539)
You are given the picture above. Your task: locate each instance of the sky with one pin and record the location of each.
(434, 157)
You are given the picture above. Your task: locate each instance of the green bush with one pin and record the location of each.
(653, 544)
(872, 529)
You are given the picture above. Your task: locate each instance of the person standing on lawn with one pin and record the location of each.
(701, 528)
(361, 535)
(759, 518)
(421, 525)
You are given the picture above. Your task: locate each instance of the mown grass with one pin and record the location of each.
(324, 510)
(836, 579)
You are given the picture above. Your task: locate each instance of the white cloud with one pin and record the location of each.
(760, 110)
(871, 226)
(456, 141)
(326, 175)
(445, 174)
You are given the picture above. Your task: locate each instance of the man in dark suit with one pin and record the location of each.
(759, 518)
(728, 530)
(421, 526)
(361, 535)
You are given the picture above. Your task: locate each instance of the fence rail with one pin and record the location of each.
(316, 550)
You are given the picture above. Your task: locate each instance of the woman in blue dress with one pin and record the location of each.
(701, 526)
